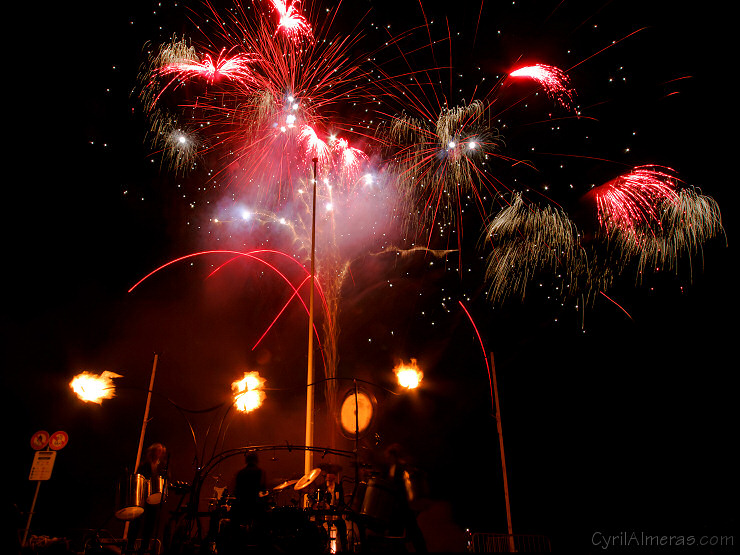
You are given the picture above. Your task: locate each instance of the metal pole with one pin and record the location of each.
(503, 458)
(143, 428)
(30, 514)
(308, 461)
(357, 433)
(146, 413)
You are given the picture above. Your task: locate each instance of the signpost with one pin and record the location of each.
(43, 464)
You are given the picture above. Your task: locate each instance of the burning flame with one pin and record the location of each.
(409, 375)
(248, 393)
(94, 388)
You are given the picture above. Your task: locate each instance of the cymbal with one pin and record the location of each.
(307, 479)
(284, 485)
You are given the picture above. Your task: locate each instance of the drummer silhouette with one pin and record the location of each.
(403, 518)
(250, 481)
(153, 467)
(330, 496)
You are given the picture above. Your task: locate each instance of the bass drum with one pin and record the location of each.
(157, 490)
(379, 502)
(130, 497)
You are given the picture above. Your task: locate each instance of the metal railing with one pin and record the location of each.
(481, 542)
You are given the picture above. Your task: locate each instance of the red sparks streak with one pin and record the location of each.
(485, 357)
(251, 255)
(617, 304)
(191, 255)
(285, 306)
(285, 278)
(552, 79)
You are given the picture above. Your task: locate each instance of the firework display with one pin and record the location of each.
(271, 90)
(281, 92)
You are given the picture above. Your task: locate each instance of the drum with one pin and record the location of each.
(157, 490)
(379, 501)
(130, 496)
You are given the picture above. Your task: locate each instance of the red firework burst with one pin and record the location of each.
(632, 202)
(235, 68)
(292, 22)
(552, 79)
(269, 104)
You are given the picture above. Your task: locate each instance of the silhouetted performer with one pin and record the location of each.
(250, 481)
(331, 497)
(152, 467)
(403, 517)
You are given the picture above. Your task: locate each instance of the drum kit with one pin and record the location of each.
(288, 522)
(135, 492)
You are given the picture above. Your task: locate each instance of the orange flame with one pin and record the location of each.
(409, 375)
(94, 388)
(248, 393)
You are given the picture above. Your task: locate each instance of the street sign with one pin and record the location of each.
(39, 440)
(43, 463)
(58, 440)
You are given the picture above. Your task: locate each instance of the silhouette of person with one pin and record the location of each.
(250, 481)
(330, 495)
(403, 517)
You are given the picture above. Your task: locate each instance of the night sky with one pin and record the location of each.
(612, 422)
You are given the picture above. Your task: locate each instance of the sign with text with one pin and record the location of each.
(43, 463)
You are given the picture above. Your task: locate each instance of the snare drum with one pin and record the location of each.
(379, 501)
(130, 496)
(157, 490)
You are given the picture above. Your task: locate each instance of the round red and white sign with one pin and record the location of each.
(39, 440)
(58, 440)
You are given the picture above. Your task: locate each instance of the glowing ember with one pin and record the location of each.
(409, 375)
(552, 79)
(94, 388)
(248, 393)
